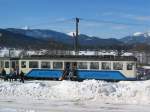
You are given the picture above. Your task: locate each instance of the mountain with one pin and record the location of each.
(96, 42)
(44, 34)
(137, 38)
(84, 40)
(15, 40)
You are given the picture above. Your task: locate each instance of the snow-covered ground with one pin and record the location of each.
(67, 96)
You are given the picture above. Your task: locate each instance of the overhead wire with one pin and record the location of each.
(114, 22)
(85, 20)
(49, 22)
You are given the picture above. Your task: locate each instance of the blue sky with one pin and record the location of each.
(58, 15)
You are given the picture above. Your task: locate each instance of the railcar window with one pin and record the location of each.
(23, 64)
(117, 66)
(106, 66)
(94, 65)
(6, 64)
(2, 64)
(82, 65)
(45, 64)
(57, 65)
(33, 64)
(129, 66)
(13, 64)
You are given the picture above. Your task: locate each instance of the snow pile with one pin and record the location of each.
(89, 90)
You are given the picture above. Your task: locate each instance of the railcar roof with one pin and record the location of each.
(82, 57)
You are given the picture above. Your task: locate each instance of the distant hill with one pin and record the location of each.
(16, 40)
(44, 34)
(96, 42)
(84, 40)
(49, 39)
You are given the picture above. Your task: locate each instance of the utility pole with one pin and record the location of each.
(76, 37)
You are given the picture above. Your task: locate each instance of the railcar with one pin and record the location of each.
(87, 67)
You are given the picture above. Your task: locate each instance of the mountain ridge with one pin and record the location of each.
(61, 39)
(10, 39)
(84, 40)
(137, 38)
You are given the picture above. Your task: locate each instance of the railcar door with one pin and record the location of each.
(14, 65)
(70, 70)
(74, 70)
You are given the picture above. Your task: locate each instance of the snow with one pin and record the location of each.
(89, 95)
(10, 51)
(146, 34)
(71, 34)
(26, 28)
(146, 67)
(1, 34)
(127, 54)
(17, 52)
(86, 52)
(107, 53)
(96, 52)
(137, 33)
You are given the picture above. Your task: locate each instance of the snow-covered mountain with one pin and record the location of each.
(136, 38)
(145, 34)
(60, 37)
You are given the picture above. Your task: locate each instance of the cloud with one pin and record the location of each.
(137, 17)
(61, 19)
(92, 24)
(119, 27)
(143, 18)
(107, 14)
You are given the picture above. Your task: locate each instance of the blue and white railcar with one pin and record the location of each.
(87, 67)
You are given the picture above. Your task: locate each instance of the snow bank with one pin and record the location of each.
(124, 92)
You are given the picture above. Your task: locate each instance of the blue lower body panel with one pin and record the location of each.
(101, 75)
(44, 73)
(81, 74)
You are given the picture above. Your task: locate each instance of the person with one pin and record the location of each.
(12, 74)
(21, 77)
(74, 71)
(4, 74)
(17, 72)
(66, 71)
